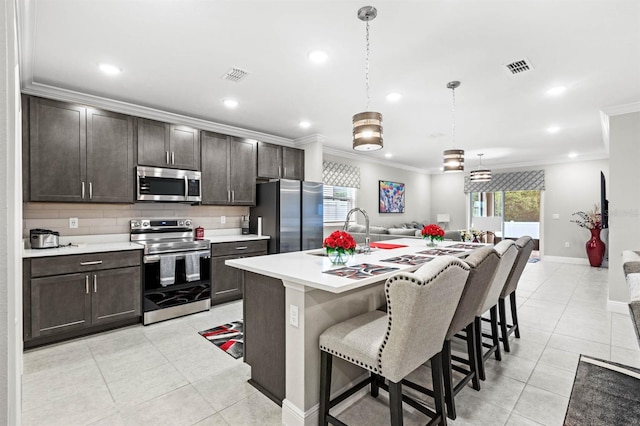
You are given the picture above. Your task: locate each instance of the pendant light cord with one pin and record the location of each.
(453, 117)
(366, 68)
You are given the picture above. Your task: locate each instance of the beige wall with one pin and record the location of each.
(417, 192)
(96, 219)
(624, 198)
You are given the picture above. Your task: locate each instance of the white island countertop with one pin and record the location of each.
(306, 268)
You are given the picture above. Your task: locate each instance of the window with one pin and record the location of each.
(338, 200)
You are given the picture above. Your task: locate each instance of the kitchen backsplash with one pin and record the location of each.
(97, 219)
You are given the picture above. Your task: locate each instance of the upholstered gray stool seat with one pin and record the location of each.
(507, 251)
(525, 247)
(393, 344)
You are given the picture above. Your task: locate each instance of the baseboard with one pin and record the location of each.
(570, 260)
(618, 307)
(293, 416)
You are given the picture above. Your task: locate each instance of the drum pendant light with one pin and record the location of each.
(367, 126)
(480, 174)
(453, 158)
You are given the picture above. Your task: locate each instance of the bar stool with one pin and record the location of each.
(507, 251)
(525, 247)
(391, 345)
(483, 263)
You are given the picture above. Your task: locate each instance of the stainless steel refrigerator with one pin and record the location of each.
(291, 213)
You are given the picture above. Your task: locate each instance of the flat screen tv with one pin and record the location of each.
(604, 203)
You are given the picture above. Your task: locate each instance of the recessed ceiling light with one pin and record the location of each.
(388, 155)
(305, 124)
(555, 91)
(230, 103)
(110, 69)
(318, 56)
(553, 129)
(394, 97)
(573, 154)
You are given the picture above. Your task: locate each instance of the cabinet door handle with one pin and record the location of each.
(86, 283)
(279, 171)
(285, 172)
(95, 283)
(233, 196)
(82, 184)
(90, 190)
(92, 262)
(242, 248)
(173, 157)
(167, 152)
(228, 195)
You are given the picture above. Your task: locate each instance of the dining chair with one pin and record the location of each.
(525, 247)
(507, 251)
(392, 344)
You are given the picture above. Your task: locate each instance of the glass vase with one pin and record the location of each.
(431, 242)
(338, 257)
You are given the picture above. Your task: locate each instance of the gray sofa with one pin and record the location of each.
(407, 230)
(631, 267)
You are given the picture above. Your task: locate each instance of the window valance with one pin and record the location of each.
(514, 181)
(337, 174)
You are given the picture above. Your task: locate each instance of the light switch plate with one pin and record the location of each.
(293, 315)
(223, 219)
(556, 216)
(73, 222)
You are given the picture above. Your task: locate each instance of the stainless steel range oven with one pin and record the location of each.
(177, 277)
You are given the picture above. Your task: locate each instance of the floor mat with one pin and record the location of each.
(604, 393)
(228, 337)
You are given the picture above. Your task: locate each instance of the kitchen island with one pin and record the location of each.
(290, 299)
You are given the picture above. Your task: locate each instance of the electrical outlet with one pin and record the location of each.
(293, 315)
(223, 219)
(567, 244)
(556, 216)
(73, 222)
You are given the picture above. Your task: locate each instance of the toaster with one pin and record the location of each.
(43, 238)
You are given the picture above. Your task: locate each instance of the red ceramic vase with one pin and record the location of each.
(595, 248)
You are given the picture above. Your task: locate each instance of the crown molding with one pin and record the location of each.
(363, 157)
(315, 138)
(622, 109)
(52, 92)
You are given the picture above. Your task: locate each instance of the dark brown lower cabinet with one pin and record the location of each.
(68, 296)
(226, 282)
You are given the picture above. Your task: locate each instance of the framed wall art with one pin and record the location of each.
(391, 197)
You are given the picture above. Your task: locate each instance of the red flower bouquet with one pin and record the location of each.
(340, 245)
(433, 233)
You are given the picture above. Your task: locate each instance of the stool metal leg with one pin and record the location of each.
(504, 332)
(395, 403)
(375, 384)
(514, 313)
(325, 386)
(471, 352)
(479, 356)
(448, 379)
(436, 377)
(495, 337)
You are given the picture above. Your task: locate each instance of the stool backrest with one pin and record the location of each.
(420, 307)
(483, 263)
(525, 247)
(508, 252)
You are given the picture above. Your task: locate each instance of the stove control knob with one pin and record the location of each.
(187, 223)
(145, 223)
(135, 224)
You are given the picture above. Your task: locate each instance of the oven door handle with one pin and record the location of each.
(153, 258)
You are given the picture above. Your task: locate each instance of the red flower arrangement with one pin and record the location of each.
(433, 232)
(340, 241)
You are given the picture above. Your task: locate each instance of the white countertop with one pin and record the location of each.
(120, 242)
(306, 269)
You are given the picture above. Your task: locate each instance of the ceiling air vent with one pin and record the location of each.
(520, 66)
(234, 74)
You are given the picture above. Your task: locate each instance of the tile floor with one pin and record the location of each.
(167, 374)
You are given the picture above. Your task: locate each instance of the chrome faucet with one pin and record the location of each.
(367, 239)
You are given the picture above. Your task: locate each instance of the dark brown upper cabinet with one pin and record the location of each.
(78, 153)
(276, 162)
(228, 170)
(168, 145)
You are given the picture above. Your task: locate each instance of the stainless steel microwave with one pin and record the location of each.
(156, 184)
